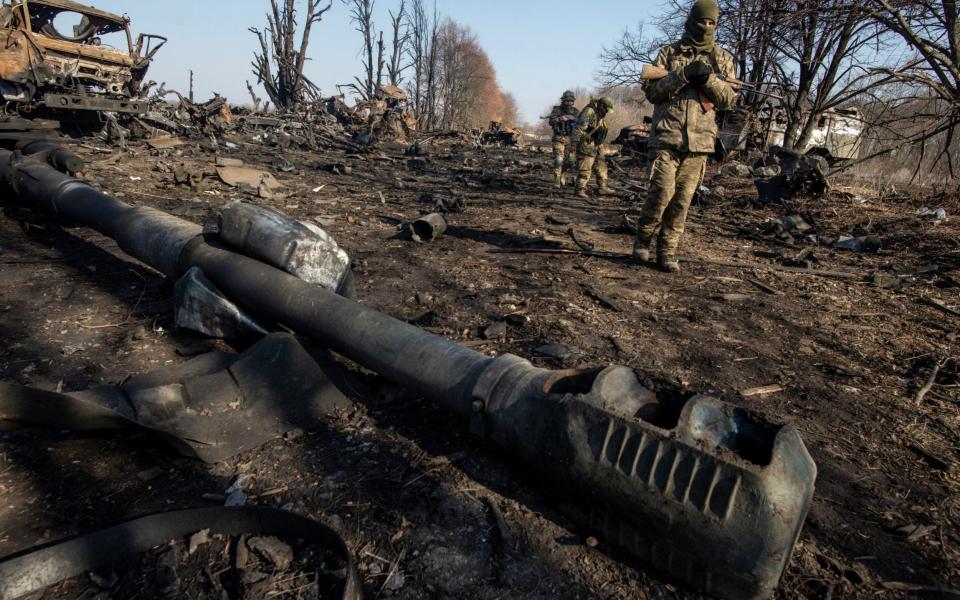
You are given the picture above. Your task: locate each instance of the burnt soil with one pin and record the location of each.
(403, 481)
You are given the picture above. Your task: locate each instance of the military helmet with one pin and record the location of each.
(568, 96)
(606, 102)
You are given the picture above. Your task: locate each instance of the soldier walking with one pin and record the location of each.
(589, 133)
(561, 121)
(684, 129)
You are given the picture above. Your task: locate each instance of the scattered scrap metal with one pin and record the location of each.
(800, 175)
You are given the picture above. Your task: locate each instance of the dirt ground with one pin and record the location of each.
(405, 484)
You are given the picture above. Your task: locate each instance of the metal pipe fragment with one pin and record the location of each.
(428, 228)
(61, 159)
(704, 492)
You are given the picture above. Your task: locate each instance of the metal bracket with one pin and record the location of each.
(76, 102)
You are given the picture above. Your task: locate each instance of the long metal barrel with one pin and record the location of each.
(706, 492)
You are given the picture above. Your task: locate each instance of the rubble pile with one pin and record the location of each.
(327, 122)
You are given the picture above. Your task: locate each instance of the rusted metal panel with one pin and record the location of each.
(101, 53)
(80, 8)
(14, 57)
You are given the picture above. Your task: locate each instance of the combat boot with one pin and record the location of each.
(640, 252)
(668, 264)
(604, 190)
(558, 179)
(582, 193)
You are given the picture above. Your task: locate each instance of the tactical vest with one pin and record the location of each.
(564, 128)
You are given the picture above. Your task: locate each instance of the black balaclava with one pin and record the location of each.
(696, 35)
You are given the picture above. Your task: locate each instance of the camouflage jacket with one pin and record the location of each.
(589, 132)
(679, 119)
(562, 129)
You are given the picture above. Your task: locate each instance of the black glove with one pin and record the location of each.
(600, 135)
(697, 73)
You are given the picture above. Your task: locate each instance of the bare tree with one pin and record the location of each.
(467, 95)
(421, 51)
(931, 28)
(747, 29)
(826, 49)
(282, 77)
(401, 37)
(361, 15)
(622, 63)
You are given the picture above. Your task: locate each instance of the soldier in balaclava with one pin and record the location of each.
(684, 129)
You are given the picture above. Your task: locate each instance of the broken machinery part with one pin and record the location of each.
(705, 492)
(211, 408)
(35, 569)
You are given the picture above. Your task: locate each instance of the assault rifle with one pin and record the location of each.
(650, 72)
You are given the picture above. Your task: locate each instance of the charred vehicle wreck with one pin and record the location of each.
(44, 67)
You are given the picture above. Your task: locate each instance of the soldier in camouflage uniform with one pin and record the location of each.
(684, 129)
(561, 121)
(589, 133)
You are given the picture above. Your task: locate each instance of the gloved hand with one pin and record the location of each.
(697, 73)
(600, 134)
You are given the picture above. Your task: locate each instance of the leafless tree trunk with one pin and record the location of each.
(432, 72)
(748, 28)
(381, 48)
(417, 25)
(361, 14)
(401, 37)
(422, 54)
(279, 65)
(254, 97)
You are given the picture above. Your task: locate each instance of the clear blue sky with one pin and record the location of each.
(539, 47)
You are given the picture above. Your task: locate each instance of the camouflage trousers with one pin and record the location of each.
(561, 157)
(591, 164)
(674, 178)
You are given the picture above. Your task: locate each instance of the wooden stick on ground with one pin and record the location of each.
(939, 305)
(922, 392)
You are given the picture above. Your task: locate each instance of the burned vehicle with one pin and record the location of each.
(633, 138)
(499, 135)
(837, 136)
(45, 65)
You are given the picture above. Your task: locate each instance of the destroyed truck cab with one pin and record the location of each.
(57, 54)
(836, 137)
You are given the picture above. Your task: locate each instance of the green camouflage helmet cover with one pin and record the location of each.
(568, 96)
(606, 102)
